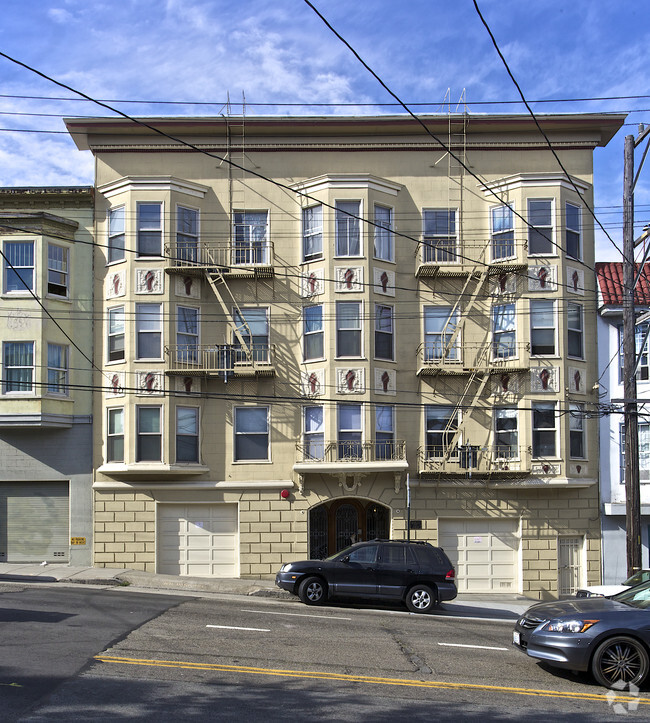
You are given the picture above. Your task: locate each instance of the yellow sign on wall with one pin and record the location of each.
(77, 540)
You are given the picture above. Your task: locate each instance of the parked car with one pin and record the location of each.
(415, 573)
(608, 636)
(607, 590)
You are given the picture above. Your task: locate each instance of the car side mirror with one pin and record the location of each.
(345, 559)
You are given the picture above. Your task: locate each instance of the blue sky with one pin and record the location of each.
(426, 51)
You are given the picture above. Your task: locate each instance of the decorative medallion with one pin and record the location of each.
(348, 278)
(115, 284)
(384, 281)
(313, 283)
(148, 281)
(351, 380)
(542, 278)
(115, 387)
(575, 280)
(150, 383)
(503, 284)
(576, 380)
(312, 382)
(188, 287)
(385, 381)
(544, 379)
(187, 385)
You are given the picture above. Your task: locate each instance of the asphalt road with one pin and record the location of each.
(49, 633)
(91, 654)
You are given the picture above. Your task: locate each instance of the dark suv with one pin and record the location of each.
(415, 573)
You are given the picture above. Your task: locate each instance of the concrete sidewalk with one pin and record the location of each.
(498, 604)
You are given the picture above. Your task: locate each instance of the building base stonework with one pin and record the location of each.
(500, 540)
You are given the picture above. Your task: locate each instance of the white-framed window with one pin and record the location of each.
(187, 234)
(544, 429)
(644, 452)
(348, 329)
(116, 227)
(187, 334)
(573, 231)
(504, 332)
(115, 435)
(384, 244)
(148, 326)
(18, 267)
(18, 372)
(313, 332)
(384, 335)
(187, 434)
(57, 369)
(502, 232)
(251, 434)
(542, 327)
(384, 431)
(149, 434)
(440, 322)
(540, 229)
(643, 372)
(350, 431)
(251, 236)
(577, 431)
(312, 233)
(441, 423)
(506, 432)
(149, 229)
(57, 270)
(575, 330)
(440, 239)
(348, 232)
(314, 432)
(116, 334)
(253, 326)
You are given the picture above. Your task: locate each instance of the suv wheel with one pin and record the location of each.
(420, 599)
(312, 591)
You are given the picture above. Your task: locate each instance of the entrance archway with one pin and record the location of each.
(337, 524)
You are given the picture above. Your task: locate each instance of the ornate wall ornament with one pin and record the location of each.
(312, 283)
(383, 281)
(542, 278)
(115, 284)
(503, 284)
(506, 385)
(150, 383)
(575, 280)
(115, 384)
(545, 469)
(578, 469)
(351, 380)
(312, 382)
(189, 287)
(348, 279)
(385, 381)
(148, 281)
(187, 385)
(576, 382)
(544, 379)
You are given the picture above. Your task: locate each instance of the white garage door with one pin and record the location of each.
(485, 553)
(197, 540)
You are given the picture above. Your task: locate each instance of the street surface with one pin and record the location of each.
(228, 657)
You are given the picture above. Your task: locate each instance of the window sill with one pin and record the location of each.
(153, 469)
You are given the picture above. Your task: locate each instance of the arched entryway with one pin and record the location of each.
(337, 524)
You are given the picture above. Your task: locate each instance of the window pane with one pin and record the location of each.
(314, 419)
(251, 420)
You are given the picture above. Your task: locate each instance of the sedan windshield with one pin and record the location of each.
(638, 597)
(340, 553)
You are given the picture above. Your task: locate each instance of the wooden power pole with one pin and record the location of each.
(632, 489)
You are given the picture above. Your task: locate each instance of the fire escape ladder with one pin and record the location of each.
(221, 289)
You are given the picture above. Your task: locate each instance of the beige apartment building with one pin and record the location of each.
(316, 330)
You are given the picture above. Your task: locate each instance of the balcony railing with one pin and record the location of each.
(219, 359)
(448, 254)
(373, 451)
(188, 255)
(469, 459)
(466, 356)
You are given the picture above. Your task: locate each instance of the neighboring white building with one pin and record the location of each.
(612, 463)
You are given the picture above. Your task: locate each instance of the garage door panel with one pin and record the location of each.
(199, 540)
(484, 553)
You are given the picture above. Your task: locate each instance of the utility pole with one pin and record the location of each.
(632, 489)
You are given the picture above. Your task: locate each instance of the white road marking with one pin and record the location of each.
(295, 615)
(479, 647)
(233, 627)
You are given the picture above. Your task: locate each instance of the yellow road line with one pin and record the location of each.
(596, 697)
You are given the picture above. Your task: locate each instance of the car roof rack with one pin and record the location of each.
(410, 542)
